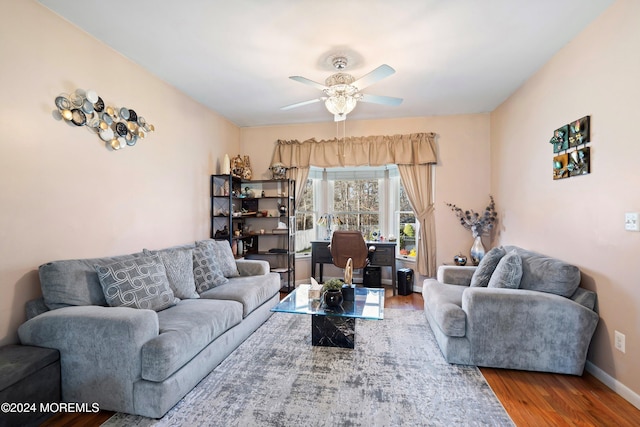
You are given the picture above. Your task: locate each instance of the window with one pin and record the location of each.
(305, 224)
(367, 199)
(407, 226)
(355, 203)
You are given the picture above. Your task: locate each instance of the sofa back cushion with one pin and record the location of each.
(74, 282)
(222, 254)
(206, 271)
(508, 272)
(137, 283)
(547, 274)
(178, 263)
(487, 265)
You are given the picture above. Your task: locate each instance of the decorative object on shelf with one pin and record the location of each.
(248, 192)
(118, 128)
(460, 259)
(572, 156)
(278, 171)
(225, 168)
(222, 234)
(237, 166)
(478, 224)
(246, 172)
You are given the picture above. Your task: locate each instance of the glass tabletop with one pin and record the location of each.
(368, 304)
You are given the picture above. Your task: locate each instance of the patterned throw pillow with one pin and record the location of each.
(222, 255)
(508, 272)
(206, 272)
(487, 265)
(178, 263)
(136, 282)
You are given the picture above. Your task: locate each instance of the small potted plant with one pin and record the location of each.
(332, 292)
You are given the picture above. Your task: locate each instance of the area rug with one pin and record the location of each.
(395, 376)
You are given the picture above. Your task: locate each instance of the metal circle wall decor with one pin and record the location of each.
(117, 127)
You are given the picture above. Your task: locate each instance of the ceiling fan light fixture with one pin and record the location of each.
(340, 105)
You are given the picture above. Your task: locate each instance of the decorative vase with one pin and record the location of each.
(477, 250)
(226, 165)
(333, 298)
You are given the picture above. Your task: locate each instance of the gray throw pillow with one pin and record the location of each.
(487, 265)
(508, 272)
(178, 263)
(206, 272)
(222, 255)
(137, 283)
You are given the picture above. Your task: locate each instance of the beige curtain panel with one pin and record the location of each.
(413, 153)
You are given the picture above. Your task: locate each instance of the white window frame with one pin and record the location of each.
(389, 190)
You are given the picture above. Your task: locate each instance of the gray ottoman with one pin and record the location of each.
(28, 375)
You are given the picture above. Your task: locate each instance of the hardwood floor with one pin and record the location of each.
(530, 398)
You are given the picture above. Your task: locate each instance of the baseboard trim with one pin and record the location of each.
(625, 392)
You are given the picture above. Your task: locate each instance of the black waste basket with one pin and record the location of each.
(405, 281)
(371, 277)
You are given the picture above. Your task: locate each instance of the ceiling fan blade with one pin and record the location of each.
(300, 104)
(376, 75)
(377, 99)
(308, 82)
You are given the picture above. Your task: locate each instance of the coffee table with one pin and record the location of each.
(334, 327)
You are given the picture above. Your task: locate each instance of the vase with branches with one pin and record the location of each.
(478, 223)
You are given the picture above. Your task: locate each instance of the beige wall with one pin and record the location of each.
(62, 194)
(581, 219)
(462, 173)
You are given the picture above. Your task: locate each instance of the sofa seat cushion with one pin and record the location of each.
(186, 329)
(444, 302)
(250, 291)
(546, 274)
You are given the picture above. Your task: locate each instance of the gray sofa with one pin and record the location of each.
(517, 310)
(141, 353)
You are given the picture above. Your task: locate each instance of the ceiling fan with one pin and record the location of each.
(342, 91)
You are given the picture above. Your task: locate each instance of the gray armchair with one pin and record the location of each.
(533, 316)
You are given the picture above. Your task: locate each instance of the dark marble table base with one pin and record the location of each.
(333, 331)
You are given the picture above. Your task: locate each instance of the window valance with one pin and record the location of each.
(410, 149)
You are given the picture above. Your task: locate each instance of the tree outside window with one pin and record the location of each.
(356, 204)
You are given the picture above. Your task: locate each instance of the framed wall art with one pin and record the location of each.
(572, 156)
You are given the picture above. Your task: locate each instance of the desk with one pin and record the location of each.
(384, 256)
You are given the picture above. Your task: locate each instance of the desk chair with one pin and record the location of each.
(347, 245)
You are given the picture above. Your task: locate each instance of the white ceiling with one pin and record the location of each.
(235, 57)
